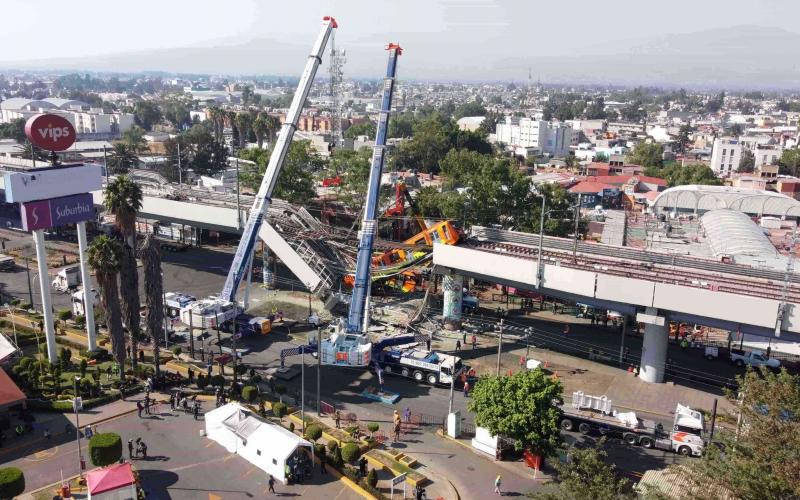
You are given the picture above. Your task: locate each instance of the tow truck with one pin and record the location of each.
(432, 367)
(595, 414)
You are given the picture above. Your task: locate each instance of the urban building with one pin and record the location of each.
(89, 123)
(548, 138)
(726, 155)
(767, 155)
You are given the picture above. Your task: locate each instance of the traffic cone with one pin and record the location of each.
(546, 364)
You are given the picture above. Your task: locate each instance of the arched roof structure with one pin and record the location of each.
(699, 199)
(733, 233)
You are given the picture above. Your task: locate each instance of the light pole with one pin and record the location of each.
(575, 232)
(303, 387)
(319, 372)
(499, 347)
(164, 304)
(77, 403)
(541, 243)
(13, 324)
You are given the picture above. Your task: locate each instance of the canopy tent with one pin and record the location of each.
(266, 445)
(10, 394)
(115, 482)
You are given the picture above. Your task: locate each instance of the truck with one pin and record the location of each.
(175, 301)
(595, 414)
(433, 367)
(78, 307)
(6, 263)
(247, 325)
(753, 358)
(67, 279)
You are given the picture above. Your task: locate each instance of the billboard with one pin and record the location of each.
(53, 182)
(50, 132)
(45, 214)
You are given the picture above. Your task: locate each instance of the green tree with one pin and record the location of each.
(105, 449)
(524, 407)
(133, 138)
(761, 460)
(601, 157)
(176, 111)
(153, 295)
(747, 164)
(684, 137)
(490, 121)
(105, 256)
(249, 393)
(596, 110)
(122, 159)
(123, 198)
(265, 126)
(401, 125)
(146, 114)
(430, 143)
(15, 129)
(367, 128)
(634, 111)
(244, 123)
(313, 432)
(586, 474)
(697, 174)
(789, 163)
(353, 168)
(350, 453)
(296, 181)
(12, 482)
(472, 108)
(647, 155)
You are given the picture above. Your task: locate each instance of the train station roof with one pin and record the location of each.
(700, 199)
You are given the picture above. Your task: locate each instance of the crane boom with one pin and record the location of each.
(263, 198)
(366, 236)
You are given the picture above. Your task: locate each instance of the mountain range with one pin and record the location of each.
(736, 57)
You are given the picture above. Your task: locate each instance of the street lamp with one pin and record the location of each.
(77, 403)
(13, 324)
(541, 239)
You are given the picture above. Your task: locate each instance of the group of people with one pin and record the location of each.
(137, 448)
(298, 467)
(145, 405)
(185, 402)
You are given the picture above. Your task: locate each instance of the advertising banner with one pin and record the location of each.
(45, 214)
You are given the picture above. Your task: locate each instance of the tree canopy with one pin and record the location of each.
(15, 129)
(295, 182)
(790, 162)
(677, 175)
(367, 128)
(647, 155)
(761, 460)
(523, 407)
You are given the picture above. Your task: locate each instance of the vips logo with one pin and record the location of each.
(50, 132)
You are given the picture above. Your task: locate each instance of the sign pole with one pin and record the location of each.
(88, 296)
(47, 307)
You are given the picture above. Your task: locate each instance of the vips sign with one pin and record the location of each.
(50, 132)
(45, 214)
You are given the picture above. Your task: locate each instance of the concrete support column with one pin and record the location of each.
(88, 296)
(453, 286)
(654, 348)
(268, 275)
(47, 305)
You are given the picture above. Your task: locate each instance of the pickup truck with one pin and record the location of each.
(753, 358)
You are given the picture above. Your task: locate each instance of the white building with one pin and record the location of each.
(550, 139)
(87, 121)
(726, 155)
(767, 155)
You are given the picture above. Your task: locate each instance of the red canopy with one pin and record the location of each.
(10, 394)
(109, 478)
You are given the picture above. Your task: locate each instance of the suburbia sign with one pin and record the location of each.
(50, 132)
(45, 214)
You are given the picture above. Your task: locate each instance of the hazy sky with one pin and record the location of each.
(41, 29)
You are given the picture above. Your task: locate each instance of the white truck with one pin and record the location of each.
(78, 307)
(753, 358)
(595, 414)
(429, 366)
(175, 301)
(67, 279)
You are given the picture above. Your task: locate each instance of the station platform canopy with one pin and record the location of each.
(699, 199)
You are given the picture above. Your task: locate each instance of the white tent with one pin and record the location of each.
(266, 445)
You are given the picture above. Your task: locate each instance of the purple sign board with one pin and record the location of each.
(45, 214)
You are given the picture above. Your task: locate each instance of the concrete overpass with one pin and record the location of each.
(659, 287)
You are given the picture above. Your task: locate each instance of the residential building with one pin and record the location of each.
(550, 139)
(89, 123)
(726, 155)
(767, 155)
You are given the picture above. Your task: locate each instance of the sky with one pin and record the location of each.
(44, 29)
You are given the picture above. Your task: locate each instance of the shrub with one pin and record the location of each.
(313, 432)
(12, 482)
(373, 427)
(27, 306)
(64, 314)
(249, 393)
(372, 478)
(291, 426)
(83, 366)
(202, 381)
(336, 457)
(218, 380)
(105, 449)
(350, 453)
(80, 320)
(177, 351)
(240, 369)
(332, 445)
(65, 355)
(279, 410)
(319, 450)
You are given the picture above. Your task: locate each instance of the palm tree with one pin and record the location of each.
(153, 294)
(122, 159)
(244, 122)
(261, 127)
(105, 257)
(134, 139)
(215, 114)
(123, 198)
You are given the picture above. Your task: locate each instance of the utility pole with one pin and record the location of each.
(575, 232)
(28, 274)
(180, 176)
(319, 371)
(499, 347)
(302, 387)
(105, 162)
(238, 207)
(77, 403)
(191, 336)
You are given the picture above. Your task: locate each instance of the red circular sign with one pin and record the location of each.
(50, 132)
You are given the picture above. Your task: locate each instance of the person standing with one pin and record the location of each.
(474, 342)
(407, 415)
(337, 418)
(497, 483)
(139, 408)
(130, 449)
(144, 450)
(271, 484)
(397, 432)
(172, 402)
(466, 389)
(195, 410)
(87, 432)
(458, 345)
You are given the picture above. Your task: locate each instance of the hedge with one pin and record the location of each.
(279, 409)
(105, 449)
(12, 482)
(313, 432)
(350, 453)
(249, 393)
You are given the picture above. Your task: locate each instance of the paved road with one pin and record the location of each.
(180, 465)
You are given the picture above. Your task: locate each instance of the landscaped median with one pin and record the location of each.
(397, 463)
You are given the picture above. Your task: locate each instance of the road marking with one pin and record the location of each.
(252, 469)
(212, 496)
(210, 444)
(229, 457)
